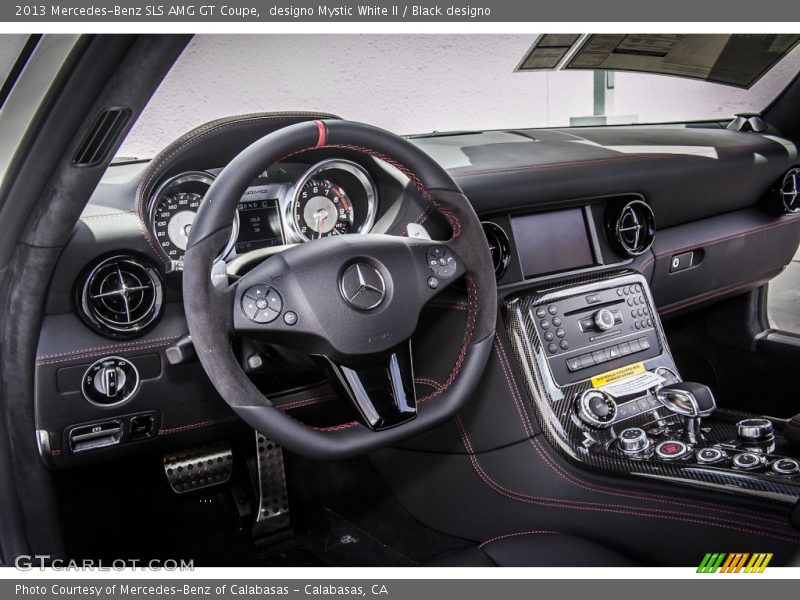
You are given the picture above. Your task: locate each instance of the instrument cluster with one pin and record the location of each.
(286, 204)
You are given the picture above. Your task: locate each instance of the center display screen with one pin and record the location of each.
(259, 223)
(552, 242)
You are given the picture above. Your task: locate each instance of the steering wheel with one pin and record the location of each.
(352, 301)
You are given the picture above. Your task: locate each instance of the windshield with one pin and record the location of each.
(414, 84)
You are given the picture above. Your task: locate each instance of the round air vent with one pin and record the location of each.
(498, 247)
(787, 192)
(121, 296)
(631, 227)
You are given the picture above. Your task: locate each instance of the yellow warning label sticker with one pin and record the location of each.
(617, 374)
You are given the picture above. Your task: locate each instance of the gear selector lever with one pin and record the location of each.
(692, 401)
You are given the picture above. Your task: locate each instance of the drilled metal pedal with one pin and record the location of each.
(199, 467)
(273, 500)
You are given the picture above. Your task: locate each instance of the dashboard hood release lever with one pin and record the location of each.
(692, 401)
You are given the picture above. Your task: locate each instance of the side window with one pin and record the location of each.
(10, 47)
(783, 305)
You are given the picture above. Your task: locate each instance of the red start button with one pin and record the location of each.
(672, 449)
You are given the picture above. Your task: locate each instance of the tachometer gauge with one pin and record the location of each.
(172, 211)
(322, 209)
(333, 197)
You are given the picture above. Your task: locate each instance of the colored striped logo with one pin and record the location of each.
(737, 562)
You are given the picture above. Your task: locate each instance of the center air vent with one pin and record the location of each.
(631, 227)
(787, 192)
(498, 247)
(121, 296)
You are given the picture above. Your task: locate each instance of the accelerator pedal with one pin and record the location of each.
(273, 501)
(199, 467)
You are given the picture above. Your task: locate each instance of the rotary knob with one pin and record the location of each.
(596, 409)
(755, 431)
(110, 380)
(604, 319)
(633, 440)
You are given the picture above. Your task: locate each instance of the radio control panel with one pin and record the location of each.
(587, 334)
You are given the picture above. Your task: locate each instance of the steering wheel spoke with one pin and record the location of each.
(382, 390)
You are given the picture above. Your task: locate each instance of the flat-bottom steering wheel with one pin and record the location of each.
(356, 299)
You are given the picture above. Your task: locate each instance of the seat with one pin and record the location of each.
(534, 549)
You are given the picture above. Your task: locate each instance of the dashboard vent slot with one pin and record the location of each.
(787, 192)
(104, 132)
(631, 227)
(498, 247)
(121, 296)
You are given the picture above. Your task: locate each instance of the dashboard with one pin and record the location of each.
(677, 205)
(287, 203)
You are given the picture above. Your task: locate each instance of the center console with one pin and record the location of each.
(608, 394)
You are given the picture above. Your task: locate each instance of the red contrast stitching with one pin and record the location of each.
(518, 534)
(620, 159)
(472, 312)
(681, 304)
(732, 236)
(123, 213)
(47, 359)
(595, 506)
(199, 425)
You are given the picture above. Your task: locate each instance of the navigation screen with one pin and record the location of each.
(259, 224)
(551, 242)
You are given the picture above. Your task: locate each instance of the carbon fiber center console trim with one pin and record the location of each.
(554, 398)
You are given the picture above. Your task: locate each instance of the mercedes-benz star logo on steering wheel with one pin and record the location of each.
(362, 285)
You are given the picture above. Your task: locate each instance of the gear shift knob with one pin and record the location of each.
(690, 400)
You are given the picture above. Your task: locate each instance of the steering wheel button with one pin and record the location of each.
(290, 318)
(261, 303)
(266, 316)
(257, 291)
(249, 307)
(274, 299)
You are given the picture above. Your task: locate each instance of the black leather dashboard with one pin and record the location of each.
(706, 186)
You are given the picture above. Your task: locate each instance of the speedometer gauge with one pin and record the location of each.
(322, 209)
(172, 211)
(173, 220)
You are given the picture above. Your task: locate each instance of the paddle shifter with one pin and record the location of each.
(692, 401)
